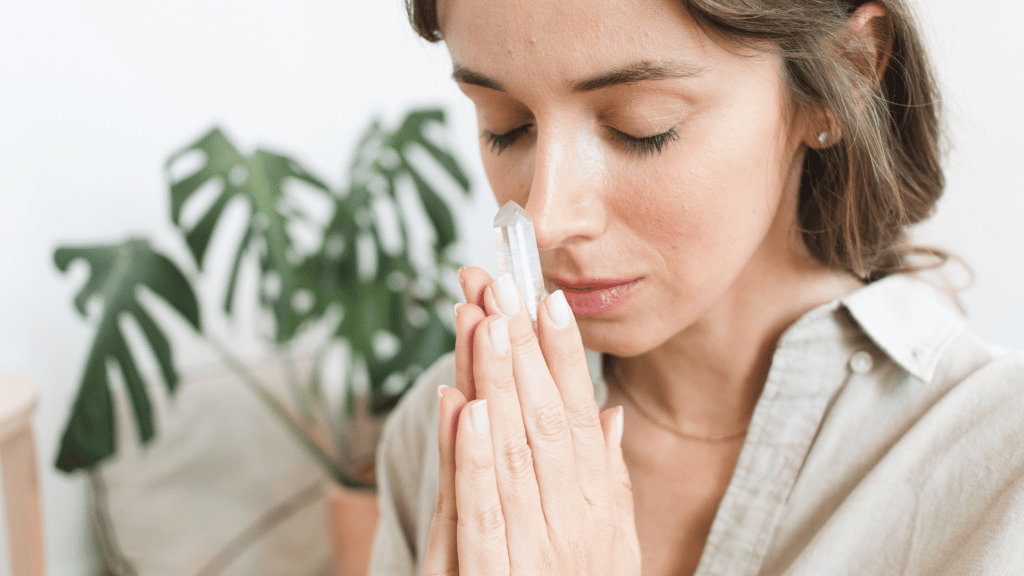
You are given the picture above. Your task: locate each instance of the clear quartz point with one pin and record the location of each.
(517, 253)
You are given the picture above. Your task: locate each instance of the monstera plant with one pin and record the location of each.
(371, 278)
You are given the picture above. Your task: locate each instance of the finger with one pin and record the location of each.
(481, 540)
(543, 415)
(467, 317)
(474, 281)
(562, 348)
(516, 479)
(621, 487)
(441, 558)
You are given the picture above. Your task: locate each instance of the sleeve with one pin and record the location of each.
(407, 475)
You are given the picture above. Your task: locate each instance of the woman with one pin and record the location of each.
(720, 191)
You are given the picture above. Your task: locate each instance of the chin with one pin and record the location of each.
(615, 339)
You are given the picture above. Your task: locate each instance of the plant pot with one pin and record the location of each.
(352, 519)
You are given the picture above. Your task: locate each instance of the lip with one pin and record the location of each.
(597, 297)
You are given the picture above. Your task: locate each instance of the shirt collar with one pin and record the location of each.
(909, 319)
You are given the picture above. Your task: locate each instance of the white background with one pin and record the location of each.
(95, 96)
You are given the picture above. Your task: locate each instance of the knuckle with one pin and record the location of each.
(584, 415)
(479, 466)
(517, 462)
(488, 521)
(549, 422)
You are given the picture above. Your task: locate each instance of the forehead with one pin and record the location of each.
(556, 41)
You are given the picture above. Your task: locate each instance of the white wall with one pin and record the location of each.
(94, 96)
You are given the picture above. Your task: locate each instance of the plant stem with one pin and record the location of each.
(280, 411)
(299, 393)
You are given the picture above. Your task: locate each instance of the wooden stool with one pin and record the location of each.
(20, 476)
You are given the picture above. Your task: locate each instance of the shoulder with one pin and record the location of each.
(960, 451)
(916, 465)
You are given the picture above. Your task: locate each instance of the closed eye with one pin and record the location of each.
(640, 146)
(500, 142)
(647, 145)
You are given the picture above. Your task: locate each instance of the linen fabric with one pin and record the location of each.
(888, 439)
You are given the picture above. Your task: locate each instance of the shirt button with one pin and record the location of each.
(861, 362)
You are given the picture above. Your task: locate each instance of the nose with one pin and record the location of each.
(565, 200)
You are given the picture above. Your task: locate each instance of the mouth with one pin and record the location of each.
(597, 297)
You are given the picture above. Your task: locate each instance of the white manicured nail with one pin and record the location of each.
(499, 336)
(558, 310)
(440, 389)
(507, 294)
(479, 416)
(457, 306)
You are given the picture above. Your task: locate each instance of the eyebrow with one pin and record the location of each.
(629, 74)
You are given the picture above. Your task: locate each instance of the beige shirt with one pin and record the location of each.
(887, 440)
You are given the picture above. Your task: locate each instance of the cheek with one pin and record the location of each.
(708, 203)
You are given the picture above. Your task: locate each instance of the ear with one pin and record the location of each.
(872, 29)
(871, 36)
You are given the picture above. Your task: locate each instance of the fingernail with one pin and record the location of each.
(499, 336)
(479, 416)
(459, 274)
(558, 310)
(507, 294)
(440, 390)
(619, 424)
(457, 305)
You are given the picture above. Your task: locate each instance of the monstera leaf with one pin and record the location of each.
(117, 272)
(399, 303)
(388, 156)
(389, 291)
(258, 180)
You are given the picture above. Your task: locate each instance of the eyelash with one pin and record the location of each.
(648, 145)
(645, 146)
(500, 142)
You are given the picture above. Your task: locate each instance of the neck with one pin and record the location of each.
(706, 380)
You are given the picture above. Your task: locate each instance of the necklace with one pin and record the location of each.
(617, 381)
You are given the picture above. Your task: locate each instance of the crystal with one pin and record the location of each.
(517, 253)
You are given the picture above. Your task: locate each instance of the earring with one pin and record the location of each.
(822, 137)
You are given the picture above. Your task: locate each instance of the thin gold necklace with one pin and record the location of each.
(620, 386)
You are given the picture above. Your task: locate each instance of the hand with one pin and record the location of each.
(531, 476)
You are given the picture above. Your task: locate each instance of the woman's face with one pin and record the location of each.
(660, 167)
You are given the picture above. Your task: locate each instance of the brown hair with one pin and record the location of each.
(859, 194)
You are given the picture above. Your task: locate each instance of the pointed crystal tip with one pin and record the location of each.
(510, 215)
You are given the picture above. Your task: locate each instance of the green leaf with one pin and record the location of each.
(412, 131)
(438, 212)
(259, 181)
(117, 272)
(371, 306)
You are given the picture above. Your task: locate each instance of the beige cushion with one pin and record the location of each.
(222, 489)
